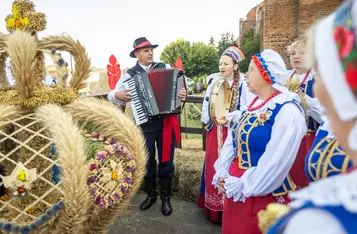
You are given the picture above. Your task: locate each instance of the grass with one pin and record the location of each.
(187, 121)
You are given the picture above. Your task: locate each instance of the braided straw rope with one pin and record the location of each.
(65, 43)
(72, 160)
(100, 113)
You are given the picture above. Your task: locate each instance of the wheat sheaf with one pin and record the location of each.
(41, 134)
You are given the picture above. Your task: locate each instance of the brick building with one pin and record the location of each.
(246, 24)
(286, 20)
(280, 22)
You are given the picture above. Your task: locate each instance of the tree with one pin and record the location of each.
(179, 48)
(212, 42)
(227, 39)
(250, 46)
(198, 58)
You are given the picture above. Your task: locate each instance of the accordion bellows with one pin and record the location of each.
(155, 93)
(49, 183)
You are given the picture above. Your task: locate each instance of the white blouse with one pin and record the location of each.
(274, 165)
(245, 97)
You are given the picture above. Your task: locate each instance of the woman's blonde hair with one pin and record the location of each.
(298, 43)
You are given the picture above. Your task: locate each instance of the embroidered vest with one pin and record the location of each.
(346, 218)
(210, 125)
(250, 137)
(308, 90)
(326, 158)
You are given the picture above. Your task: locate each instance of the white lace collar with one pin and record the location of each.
(279, 99)
(332, 191)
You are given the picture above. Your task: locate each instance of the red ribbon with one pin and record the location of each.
(170, 123)
(145, 43)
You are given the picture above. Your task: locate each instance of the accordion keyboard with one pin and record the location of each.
(139, 113)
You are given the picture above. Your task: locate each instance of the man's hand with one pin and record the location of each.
(221, 186)
(123, 95)
(182, 94)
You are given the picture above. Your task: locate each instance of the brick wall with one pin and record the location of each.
(286, 20)
(280, 24)
(249, 22)
(312, 10)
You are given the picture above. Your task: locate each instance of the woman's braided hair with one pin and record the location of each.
(235, 89)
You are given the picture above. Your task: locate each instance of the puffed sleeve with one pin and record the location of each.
(205, 105)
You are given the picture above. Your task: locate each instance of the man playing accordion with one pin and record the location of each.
(157, 131)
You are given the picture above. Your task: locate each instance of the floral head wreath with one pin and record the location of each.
(345, 39)
(235, 53)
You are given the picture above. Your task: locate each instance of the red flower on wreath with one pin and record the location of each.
(345, 40)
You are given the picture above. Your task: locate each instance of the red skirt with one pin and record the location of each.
(241, 217)
(213, 200)
(297, 171)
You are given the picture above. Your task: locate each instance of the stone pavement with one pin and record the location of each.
(186, 218)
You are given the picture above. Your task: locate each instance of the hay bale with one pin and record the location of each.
(188, 169)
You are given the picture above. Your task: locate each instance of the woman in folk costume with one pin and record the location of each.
(253, 168)
(330, 205)
(210, 199)
(300, 81)
(326, 156)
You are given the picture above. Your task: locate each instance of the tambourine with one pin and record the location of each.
(220, 101)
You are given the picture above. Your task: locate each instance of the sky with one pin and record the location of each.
(107, 27)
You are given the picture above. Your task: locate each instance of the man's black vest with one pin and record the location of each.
(157, 122)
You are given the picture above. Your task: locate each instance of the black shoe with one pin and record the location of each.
(165, 195)
(166, 208)
(149, 201)
(150, 184)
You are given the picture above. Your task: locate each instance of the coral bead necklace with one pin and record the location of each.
(251, 108)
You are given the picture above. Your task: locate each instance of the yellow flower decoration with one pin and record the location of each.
(112, 175)
(16, 21)
(21, 175)
(268, 217)
(20, 180)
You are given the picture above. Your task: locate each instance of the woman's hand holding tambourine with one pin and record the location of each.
(222, 120)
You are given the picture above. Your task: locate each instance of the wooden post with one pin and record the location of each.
(179, 145)
(203, 137)
(185, 119)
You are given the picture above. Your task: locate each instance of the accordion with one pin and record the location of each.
(155, 93)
